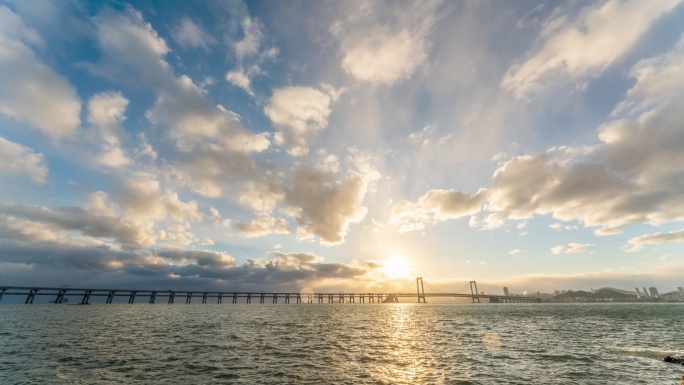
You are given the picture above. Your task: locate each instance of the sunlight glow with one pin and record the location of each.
(396, 267)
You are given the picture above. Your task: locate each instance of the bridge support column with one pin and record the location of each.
(220, 298)
(234, 297)
(2, 293)
(299, 298)
(476, 294)
(249, 298)
(131, 299)
(86, 297)
(172, 295)
(204, 297)
(262, 299)
(287, 298)
(31, 296)
(421, 289)
(153, 297)
(320, 298)
(275, 298)
(330, 298)
(188, 299)
(341, 300)
(110, 297)
(351, 298)
(362, 298)
(60, 296)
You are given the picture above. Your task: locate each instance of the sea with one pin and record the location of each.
(574, 343)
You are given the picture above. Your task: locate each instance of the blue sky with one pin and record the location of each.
(342, 145)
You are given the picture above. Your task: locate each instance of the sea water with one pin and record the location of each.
(340, 343)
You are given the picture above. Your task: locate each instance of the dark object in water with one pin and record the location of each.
(675, 358)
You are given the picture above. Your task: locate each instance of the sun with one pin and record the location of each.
(395, 267)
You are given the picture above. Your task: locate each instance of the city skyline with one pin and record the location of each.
(341, 145)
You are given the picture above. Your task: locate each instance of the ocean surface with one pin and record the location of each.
(340, 344)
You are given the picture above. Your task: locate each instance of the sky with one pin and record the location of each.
(342, 145)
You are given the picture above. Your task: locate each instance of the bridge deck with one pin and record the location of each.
(172, 295)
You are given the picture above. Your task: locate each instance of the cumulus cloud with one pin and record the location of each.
(323, 205)
(106, 112)
(570, 248)
(31, 92)
(584, 46)
(142, 198)
(262, 195)
(263, 224)
(298, 113)
(16, 158)
(189, 34)
(633, 176)
(436, 205)
(658, 79)
(383, 44)
(637, 243)
(240, 78)
(212, 145)
(31, 223)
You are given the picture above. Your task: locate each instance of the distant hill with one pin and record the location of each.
(598, 295)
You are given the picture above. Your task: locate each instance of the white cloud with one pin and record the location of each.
(298, 113)
(16, 158)
(436, 205)
(189, 34)
(570, 248)
(637, 243)
(324, 206)
(142, 198)
(30, 91)
(515, 251)
(384, 44)
(106, 111)
(585, 46)
(262, 225)
(212, 145)
(658, 79)
(263, 195)
(240, 78)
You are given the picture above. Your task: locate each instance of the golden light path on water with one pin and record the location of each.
(407, 362)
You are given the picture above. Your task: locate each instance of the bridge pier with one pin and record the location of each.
(220, 298)
(60, 296)
(2, 293)
(341, 299)
(234, 297)
(86, 297)
(31, 296)
(172, 295)
(188, 298)
(262, 299)
(287, 298)
(110, 297)
(249, 298)
(131, 299)
(475, 295)
(275, 298)
(299, 298)
(204, 298)
(153, 296)
(320, 298)
(331, 298)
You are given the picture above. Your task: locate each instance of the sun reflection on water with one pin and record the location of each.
(407, 361)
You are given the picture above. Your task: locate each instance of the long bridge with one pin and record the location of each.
(61, 295)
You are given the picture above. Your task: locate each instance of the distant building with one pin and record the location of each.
(645, 292)
(638, 293)
(556, 292)
(507, 294)
(681, 291)
(654, 292)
